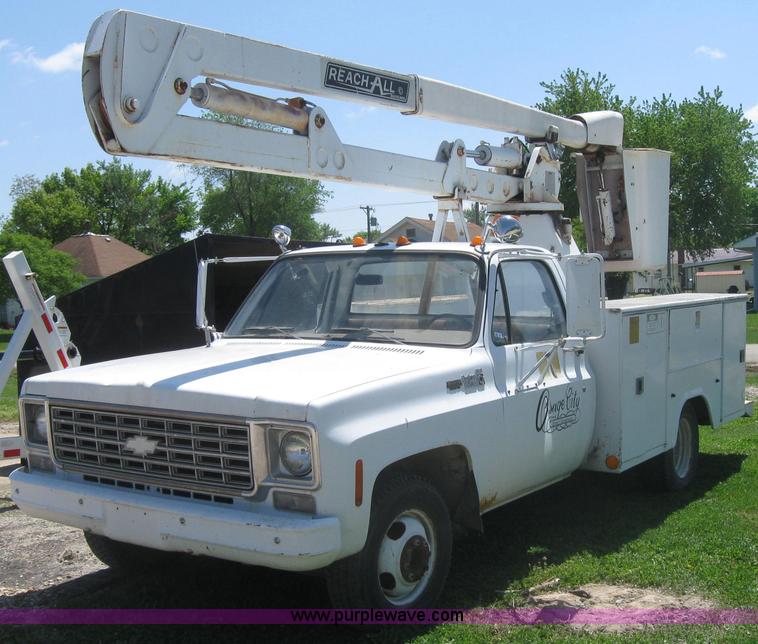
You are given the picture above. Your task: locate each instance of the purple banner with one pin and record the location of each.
(376, 616)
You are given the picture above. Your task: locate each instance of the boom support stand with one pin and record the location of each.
(50, 329)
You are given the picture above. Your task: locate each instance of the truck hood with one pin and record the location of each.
(246, 378)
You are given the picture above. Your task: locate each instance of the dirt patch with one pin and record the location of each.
(751, 393)
(604, 596)
(37, 554)
(9, 428)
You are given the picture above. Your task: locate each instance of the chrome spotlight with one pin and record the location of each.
(282, 236)
(505, 229)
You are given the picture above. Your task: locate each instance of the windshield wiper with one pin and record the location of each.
(364, 331)
(285, 332)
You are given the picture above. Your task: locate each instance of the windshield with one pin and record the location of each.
(415, 298)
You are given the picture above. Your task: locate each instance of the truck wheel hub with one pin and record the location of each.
(406, 556)
(414, 560)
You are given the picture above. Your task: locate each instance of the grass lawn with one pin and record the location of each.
(9, 395)
(752, 328)
(9, 400)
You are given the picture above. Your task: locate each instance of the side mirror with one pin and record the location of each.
(504, 228)
(282, 236)
(585, 301)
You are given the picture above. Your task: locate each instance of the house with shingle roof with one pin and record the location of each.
(421, 230)
(100, 256)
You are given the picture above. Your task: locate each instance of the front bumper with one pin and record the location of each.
(275, 540)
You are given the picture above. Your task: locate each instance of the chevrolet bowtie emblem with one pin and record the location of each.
(140, 445)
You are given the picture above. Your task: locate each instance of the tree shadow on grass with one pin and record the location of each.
(595, 513)
(589, 512)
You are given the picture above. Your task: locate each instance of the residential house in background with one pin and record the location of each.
(420, 230)
(99, 256)
(720, 272)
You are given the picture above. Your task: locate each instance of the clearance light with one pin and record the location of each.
(402, 241)
(358, 483)
(612, 462)
(359, 241)
(477, 241)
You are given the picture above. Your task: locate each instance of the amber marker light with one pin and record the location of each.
(612, 462)
(402, 241)
(359, 241)
(477, 241)
(359, 483)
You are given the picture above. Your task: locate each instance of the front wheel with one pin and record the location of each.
(407, 554)
(680, 462)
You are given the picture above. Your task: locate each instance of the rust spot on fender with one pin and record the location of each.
(485, 503)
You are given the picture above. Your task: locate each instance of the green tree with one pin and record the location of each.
(574, 93)
(236, 202)
(713, 167)
(56, 271)
(115, 198)
(476, 214)
(327, 232)
(376, 233)
(713, 162)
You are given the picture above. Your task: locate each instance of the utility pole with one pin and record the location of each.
(368, 210)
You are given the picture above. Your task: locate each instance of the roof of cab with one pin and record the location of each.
(459, 247)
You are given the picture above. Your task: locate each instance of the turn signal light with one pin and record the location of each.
(402, 241)
(359, 241)
(477, 241)
(612, 462)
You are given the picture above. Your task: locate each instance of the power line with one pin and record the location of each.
(381, 205)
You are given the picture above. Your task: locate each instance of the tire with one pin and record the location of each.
(680, 462)
(126, 556)
(406, 558)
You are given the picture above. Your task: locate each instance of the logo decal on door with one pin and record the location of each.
(559, 415)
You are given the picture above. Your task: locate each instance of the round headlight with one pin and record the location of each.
(295, 453)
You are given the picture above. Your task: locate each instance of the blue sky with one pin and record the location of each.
(502, 48)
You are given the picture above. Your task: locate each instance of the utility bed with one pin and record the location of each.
(658, 352)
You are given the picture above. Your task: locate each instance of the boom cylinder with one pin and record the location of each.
(226, 100)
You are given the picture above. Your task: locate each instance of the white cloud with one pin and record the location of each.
(6, 42)
(4, 143)
(67, 59)
(363, 110)
(710, 52)
(752, 114)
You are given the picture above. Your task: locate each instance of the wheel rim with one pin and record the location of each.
(406, 557)
(683, 449)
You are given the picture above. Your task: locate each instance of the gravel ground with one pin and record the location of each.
(37, 554)
(50, 565)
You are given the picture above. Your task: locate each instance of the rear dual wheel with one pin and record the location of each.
(680, 462)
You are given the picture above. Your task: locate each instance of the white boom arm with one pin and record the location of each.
(138, 73)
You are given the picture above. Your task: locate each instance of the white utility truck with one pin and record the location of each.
(366, 399)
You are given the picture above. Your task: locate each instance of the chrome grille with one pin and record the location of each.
(194, 453)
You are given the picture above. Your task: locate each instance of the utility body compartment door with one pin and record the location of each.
(695, 361)
(733, 379)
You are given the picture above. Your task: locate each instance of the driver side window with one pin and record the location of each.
(533, 307)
